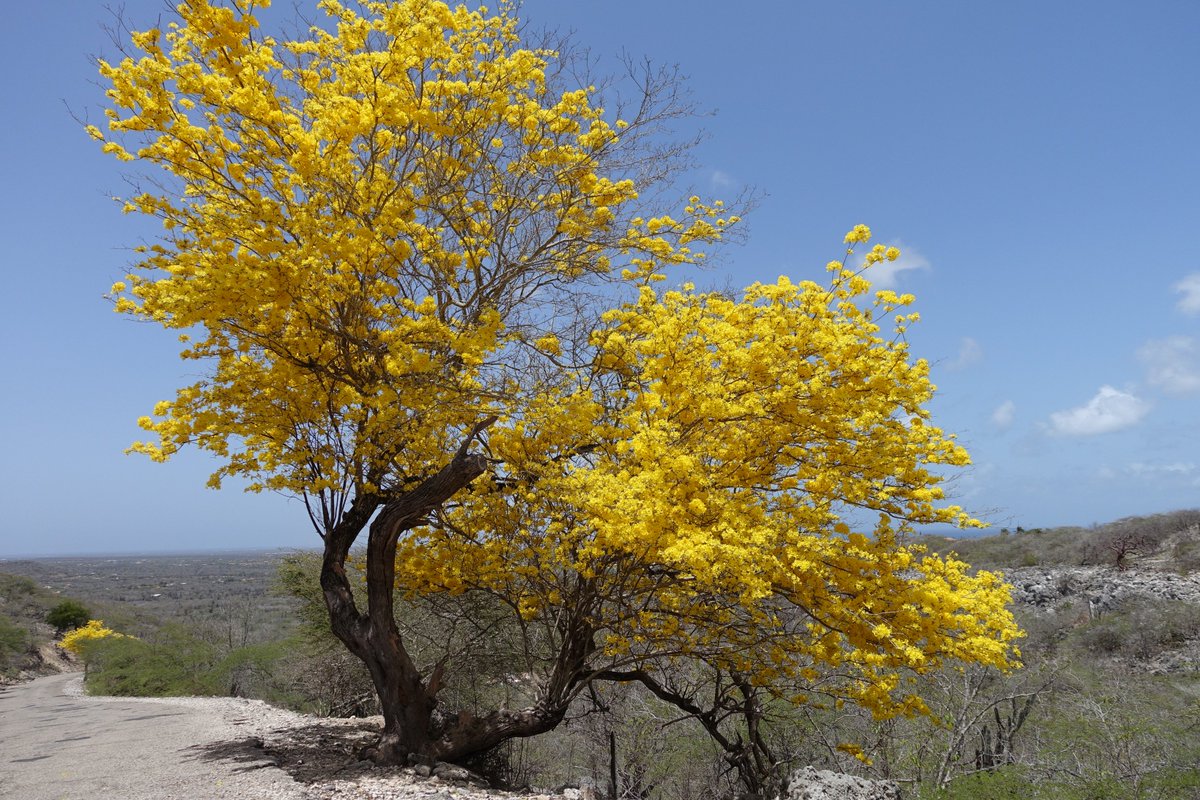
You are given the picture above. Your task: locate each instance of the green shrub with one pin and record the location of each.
(173, 662)
(1174, 784)
(13, 640)
(264, 672)
(1010, 783)
(1185, 555)
(1140, 629)
(1105, 636)
(68, 615)
(1004, 784)
(179, 660)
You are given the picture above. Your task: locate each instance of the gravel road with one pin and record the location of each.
(58, 744)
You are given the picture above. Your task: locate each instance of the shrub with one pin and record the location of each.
(68, 615)
(1105, 636)
(1002, 784)
(1185, 555)
(13, 639)
(1140, 629)
(174, 663)
(179, 660)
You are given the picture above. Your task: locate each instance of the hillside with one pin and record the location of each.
(26, 640)
(227, 595)
(1166, 542)
(1126, 593)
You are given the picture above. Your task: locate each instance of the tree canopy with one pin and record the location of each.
(433, 290)
(68, 615)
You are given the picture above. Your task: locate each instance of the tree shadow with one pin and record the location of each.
(316, 752)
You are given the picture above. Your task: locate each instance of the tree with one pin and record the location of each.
(390, 245)
(78, 640)
(1119, 541)
(68, 615)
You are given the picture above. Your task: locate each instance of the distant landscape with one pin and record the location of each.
(157, 587)
(1107, 704)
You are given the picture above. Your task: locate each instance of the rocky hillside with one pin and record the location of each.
(27, 647)
(1099, 590)
(1127, 592)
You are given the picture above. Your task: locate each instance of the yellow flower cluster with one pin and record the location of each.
(352, 220)
(77, 640)
(701, 478)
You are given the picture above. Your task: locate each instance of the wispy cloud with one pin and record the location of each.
(1004, 414)
(1110, 410)
(1189, 287)
(886, 274)
(969, 352)
(1172, 473)
(1181, 468)
(720, 181)
(1172, 364)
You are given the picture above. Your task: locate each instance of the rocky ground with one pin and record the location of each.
(46, 658)
(320, 755)
(1103, 589)
(58, 744)
(1091, 595)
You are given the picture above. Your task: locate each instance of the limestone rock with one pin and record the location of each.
(1101, 588)
(822, 784)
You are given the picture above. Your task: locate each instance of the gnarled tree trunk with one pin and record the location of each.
(372, 635)
(407, 699)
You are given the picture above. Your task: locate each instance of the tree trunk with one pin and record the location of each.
(372, 635)
(407, 699)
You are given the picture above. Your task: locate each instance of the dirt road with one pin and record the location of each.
(58, 745)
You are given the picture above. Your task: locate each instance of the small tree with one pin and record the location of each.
(1118, 542)
(399, 246)
(1123, 544)
(77, 640)
(68, 615)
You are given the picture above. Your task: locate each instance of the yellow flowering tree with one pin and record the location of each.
(389, 245)
(77, 640)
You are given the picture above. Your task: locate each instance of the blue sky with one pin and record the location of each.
(1037, 162)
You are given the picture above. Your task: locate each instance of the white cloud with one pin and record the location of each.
(721, 180)
(885, 274)
(969, 352)
(1189, 287)
(1177, 468)
(1003, 416)
(1173, 364)
(1110, 410)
